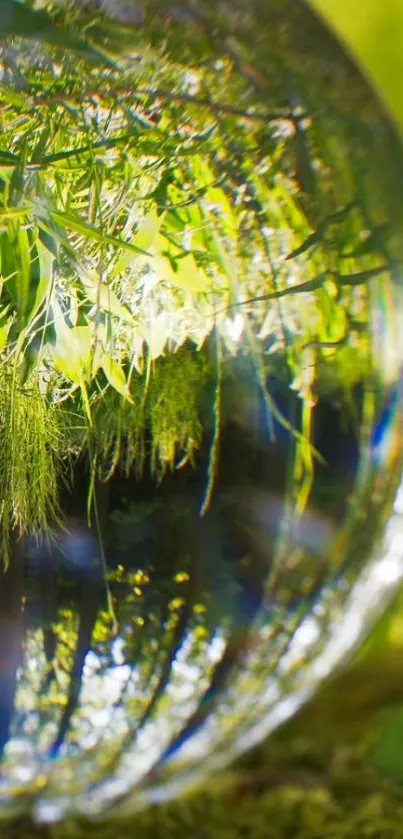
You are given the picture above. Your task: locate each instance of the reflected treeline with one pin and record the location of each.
(186, 590)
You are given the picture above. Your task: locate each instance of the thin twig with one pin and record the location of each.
(312, 285)
(162, 93)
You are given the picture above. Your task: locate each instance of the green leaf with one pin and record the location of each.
(73, 222)
(8, 265)
(228, 219)
(72, 351)
(158, 334)
(27, 269)
(15, 212)
(116, 377)
(45, 279)
(102, 296)
(148, 229)
(48, 240)
(22, 282)
(312, 240)
(225, 261)
(5, 325)
(184, 275)
(17, 19)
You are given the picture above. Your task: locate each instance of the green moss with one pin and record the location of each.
(30, 458)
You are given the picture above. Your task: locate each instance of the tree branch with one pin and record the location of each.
(316, 282)
(169, 96)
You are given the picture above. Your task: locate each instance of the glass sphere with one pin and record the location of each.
(201, 417)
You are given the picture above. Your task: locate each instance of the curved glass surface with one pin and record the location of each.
(201, 421)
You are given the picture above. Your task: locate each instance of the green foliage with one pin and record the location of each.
(289, 811)
(163, 406)
(30, 459)
(148, 201)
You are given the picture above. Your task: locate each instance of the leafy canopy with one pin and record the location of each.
(157, 220)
